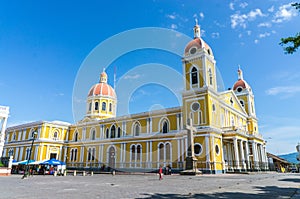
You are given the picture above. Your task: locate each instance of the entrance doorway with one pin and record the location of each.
(53, 155)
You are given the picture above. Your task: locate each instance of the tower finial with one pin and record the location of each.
(240, 73)
(196, 29)
(103, 69)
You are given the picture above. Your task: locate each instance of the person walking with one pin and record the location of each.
(160, 172)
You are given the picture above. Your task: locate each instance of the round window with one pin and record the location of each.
(195, 106)
(197, 149)
(193, 50)
(239, 89)
(217, 149)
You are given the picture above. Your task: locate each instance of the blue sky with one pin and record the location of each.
(43, 44)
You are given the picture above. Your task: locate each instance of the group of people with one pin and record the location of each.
(166, 171)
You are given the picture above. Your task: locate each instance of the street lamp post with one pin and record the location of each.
(28, 158)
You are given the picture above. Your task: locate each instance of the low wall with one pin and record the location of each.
(4, 171)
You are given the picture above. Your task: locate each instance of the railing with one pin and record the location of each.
(125, 166)
(246, 165)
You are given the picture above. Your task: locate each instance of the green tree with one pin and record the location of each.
(293, 42)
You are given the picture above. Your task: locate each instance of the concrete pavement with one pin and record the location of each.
(259, 185)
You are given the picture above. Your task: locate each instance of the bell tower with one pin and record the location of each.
(199, 78)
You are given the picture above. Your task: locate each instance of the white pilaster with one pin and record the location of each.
(242, 155)
(247, 154)
(207, 152)
(236, 153)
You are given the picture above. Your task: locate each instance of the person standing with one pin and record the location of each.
(160, 170)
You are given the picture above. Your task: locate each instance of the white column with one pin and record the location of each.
(151, 125)
(47, 152)
(81, 154)
(207, 152)
(17, 153)
(21, 154)
(60, 153)
(150, 153)
(36, 148)
(178, 150)
(247, 154)
(242, 155)
(125, 153)
(254, 151)
(65, 154)
(177, 121)
(147, 154)
(213, 152)
(182, 150)
(230, 155)
(236, 153)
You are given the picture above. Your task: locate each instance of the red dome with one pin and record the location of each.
(240, 84)
(198, 43)
(102, 89)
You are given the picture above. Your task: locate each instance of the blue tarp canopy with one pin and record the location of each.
(23, 162)
(53, 162)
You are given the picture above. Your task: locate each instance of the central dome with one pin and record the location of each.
(102, 88)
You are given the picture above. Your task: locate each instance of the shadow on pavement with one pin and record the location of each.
(296, 180)
(264, 192)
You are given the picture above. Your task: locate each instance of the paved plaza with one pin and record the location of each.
(271, 185)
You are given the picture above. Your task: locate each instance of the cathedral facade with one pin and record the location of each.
(225, 137)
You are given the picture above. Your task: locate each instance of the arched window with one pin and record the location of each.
(75, 154)
(137, 129)
(10, 152)
(96, 106)
(161, 152)
(165, 128)
(138, 153)
(103, 106)
(107, 133)
(90, 106)
(93, 135)
(76, 137)
(210, 77)
(168, 151)
(113, 132)
(194, 76)
(110, 107)
(119, 132)
(55, 135)
(132, 155)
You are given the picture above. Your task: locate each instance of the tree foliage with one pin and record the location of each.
(293, 42)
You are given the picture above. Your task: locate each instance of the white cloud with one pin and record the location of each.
(201, 14)
(282, 139)
(136, 76)
(59, 94)
(265, 24)
(174, 26)
(285, 13)
(254, 13)
(238, 19)
(202, 32)
(231, 6)
(215, 35)
(249, 32)
(240, 35)
(271, 9)
(263, 35)
(289, 90)
(256, 41)
(243, 4)
(171, 16)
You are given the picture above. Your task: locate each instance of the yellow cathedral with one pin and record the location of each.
(225, 138)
